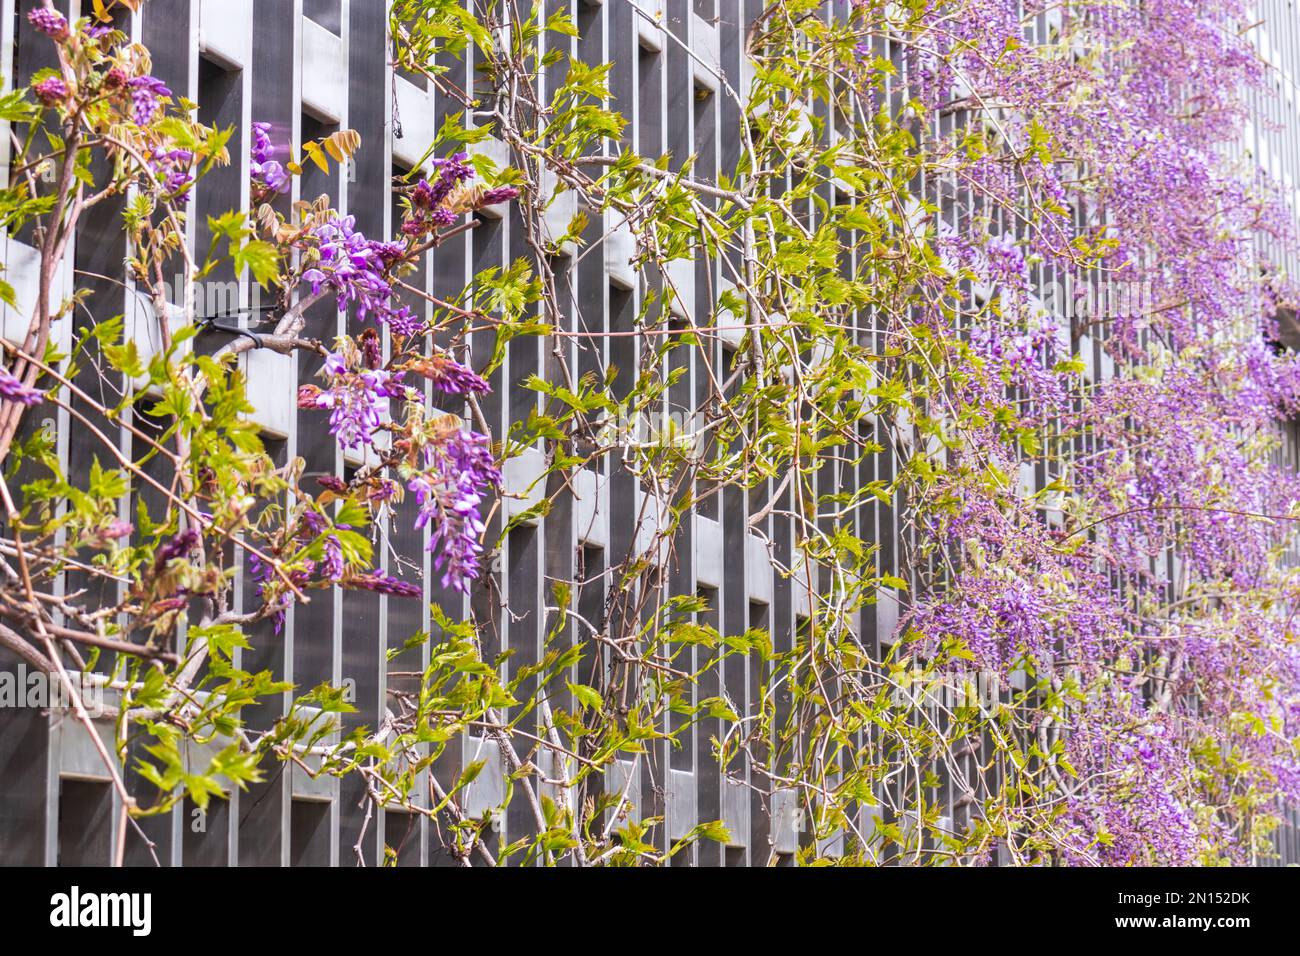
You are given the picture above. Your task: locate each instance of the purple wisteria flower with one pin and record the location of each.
(13, 390)
(356, 269)
(352, 266)
(490, 197)
(51, 91)
(1136, 802)
(404, 322)
(371, 348)
(429, 211)
(332, 566)
(263, 168)
(147, 93)
(313, 523)
(459, 471)
(381, 490)
(383, 583)
(354, 415)
(264, 575)
(1006, 262)
(451, 172)
(309, 396)
(116, 529)
(179, 546)
(49, 22)
(331, 482)
(175, 168)
(449, 376)
(1160, 468)
(356, 401)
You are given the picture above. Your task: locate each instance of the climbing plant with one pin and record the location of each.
(991, 275)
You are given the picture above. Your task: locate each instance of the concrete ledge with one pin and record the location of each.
(886, 614)
(591, 500)
(270, 378)
(22, 266)
(304, 785)
(649, 24)
(324, 84)
(226, 32)
(787, 821)
(681, 274)
(485, 793)
(706, 65)
(415, 109)
(681, 803)
(561, 207)
(625, 776)
(758, 570)
(649, 520)
(735, 812)
(78, 757)
(620, 250)
(708, 551)
(522, 475)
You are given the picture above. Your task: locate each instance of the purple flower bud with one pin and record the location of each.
(449, 376)
(180, 545)
(262, 149)
(51, 91)
(117, 528)
(333, 483)
(12, 390)
(372, 350)
(49, 22)
(174, 168)
(264, 170)
(404, 322)
(313, 522)
(493, 196)
(335, 364)
(382, 583)
(309, 396)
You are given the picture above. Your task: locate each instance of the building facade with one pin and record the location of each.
(312, 67)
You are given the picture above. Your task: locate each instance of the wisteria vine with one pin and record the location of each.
(979, 337)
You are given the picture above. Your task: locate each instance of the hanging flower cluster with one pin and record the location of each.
(268, 175)
(356, 400)
(429, 210)
(448, 376)
(355, 267)
(381, 582)
(1160, 463)
(458, 472)
(147, 96)
(454, 468)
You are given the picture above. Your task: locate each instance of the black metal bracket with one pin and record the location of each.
(210, 323)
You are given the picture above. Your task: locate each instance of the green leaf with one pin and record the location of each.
(587, 697)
